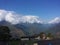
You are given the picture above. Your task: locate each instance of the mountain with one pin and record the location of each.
(25, 28)
(54, 29)
(21, 25)
(15, 32)
(31, 29)
(55, 25)
(28, 23)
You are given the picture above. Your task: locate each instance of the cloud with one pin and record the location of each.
(2, 14)
(31, 19)
(13, 18)
(55, 20)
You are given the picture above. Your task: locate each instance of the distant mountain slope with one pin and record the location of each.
(15, 32)
(31, 29)
(54, 28)
(26, 29)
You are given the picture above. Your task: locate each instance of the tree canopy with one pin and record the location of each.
(4, 33)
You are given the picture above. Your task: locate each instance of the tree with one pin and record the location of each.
(4, 33)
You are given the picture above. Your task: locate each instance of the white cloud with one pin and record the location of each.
(2, 14)
(10, 17)
(55, 20)
(14, 18)
(31, 19)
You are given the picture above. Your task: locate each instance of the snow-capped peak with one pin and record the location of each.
(55, 20)
(31, 19)
(14, 18)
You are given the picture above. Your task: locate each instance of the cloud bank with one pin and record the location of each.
(13, 18)
(55, 20)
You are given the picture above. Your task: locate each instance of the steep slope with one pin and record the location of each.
(54, 29)
(55, 25)
(31, 29)
(15, 32)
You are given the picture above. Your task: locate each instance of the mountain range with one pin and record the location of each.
(28, 29)
(27, 25)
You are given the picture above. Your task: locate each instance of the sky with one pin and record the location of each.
(45, 9)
